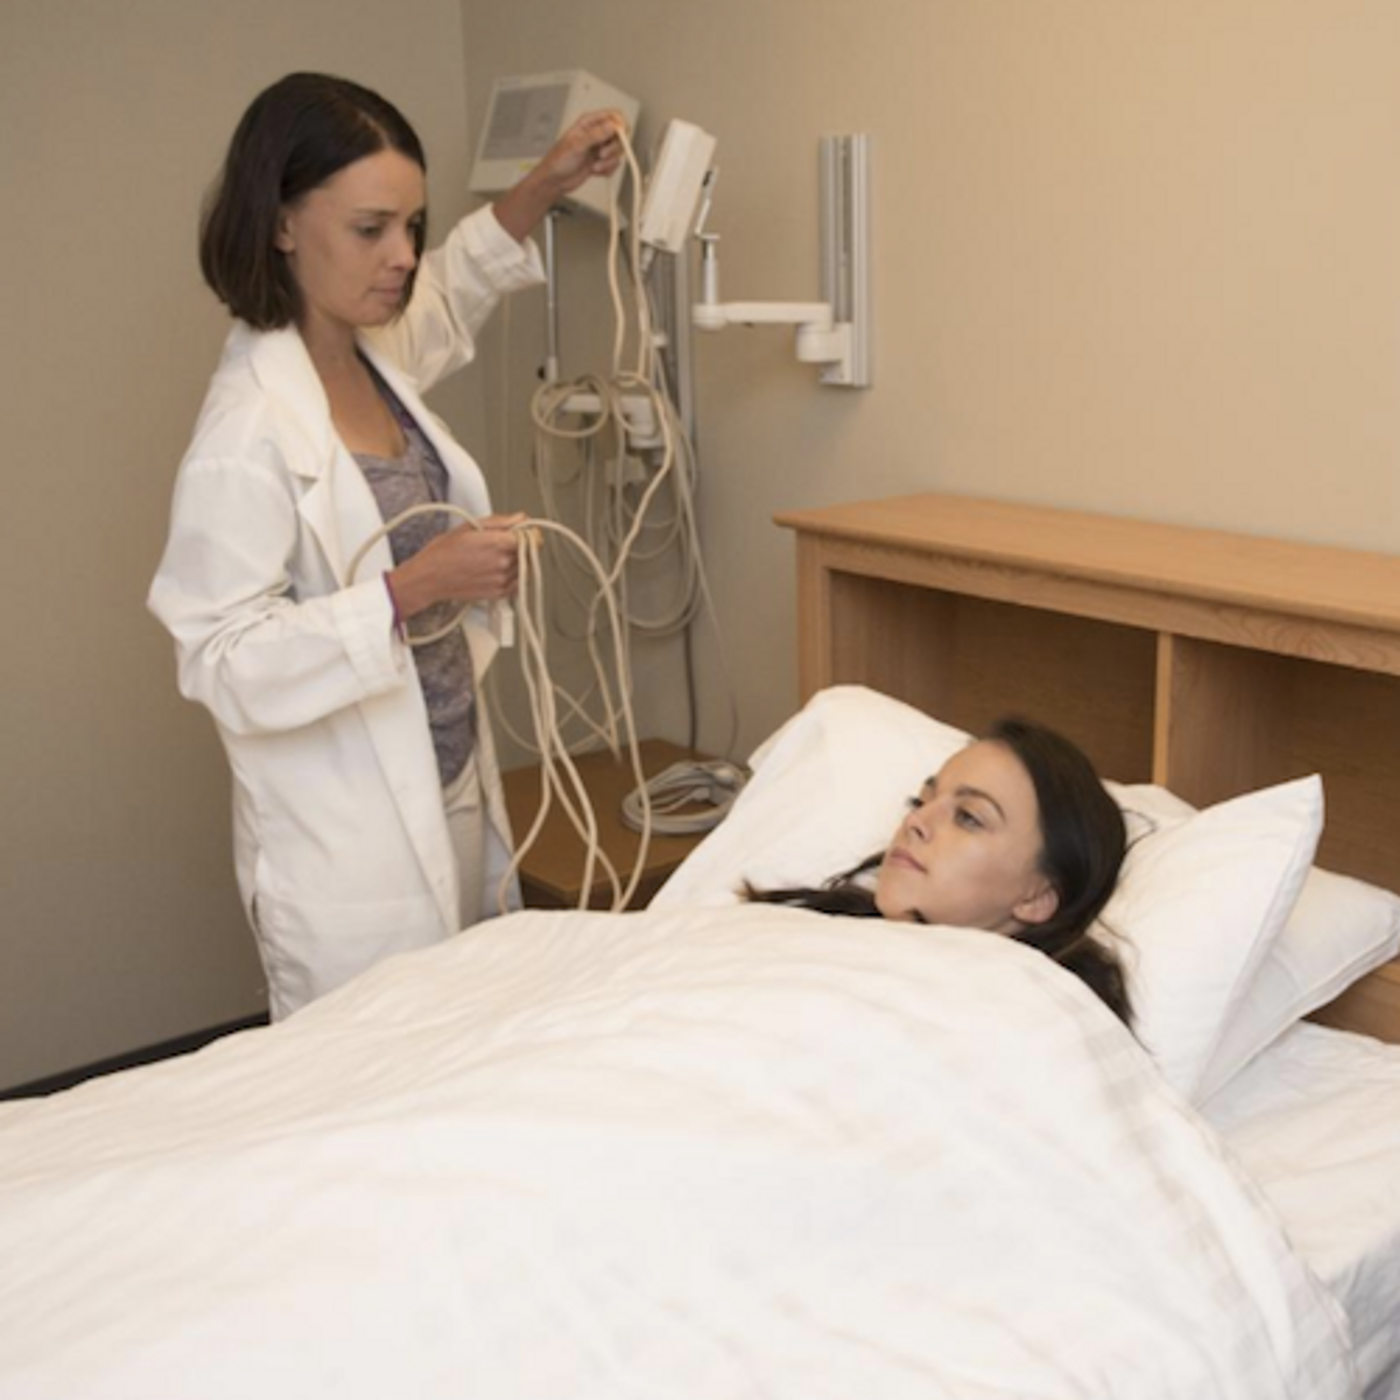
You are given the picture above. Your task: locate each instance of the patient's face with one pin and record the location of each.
(968, 852)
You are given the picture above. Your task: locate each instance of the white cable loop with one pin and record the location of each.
(623, 527)
(559, 776)
(686, 798)
(634, 517)
(417, 639)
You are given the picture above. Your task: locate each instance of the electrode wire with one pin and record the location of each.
(621, 530)
(555, 754)
(620, 534)
(624, 528)
(669, 800)
(559, 776)
(572, 795)
(534, 634)
(698, 597)
(550, 400)
(609, 524)
(613, 578)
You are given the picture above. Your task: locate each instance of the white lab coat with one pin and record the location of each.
(342, 851)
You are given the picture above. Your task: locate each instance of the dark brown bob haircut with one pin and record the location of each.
(294, 137)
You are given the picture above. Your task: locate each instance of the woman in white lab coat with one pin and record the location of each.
(368, 812)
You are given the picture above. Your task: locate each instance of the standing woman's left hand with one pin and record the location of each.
(591, 146)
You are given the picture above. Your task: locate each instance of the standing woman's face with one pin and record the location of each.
(969, 851)
(351, 243)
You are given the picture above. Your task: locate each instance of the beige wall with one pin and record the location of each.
(1137, 257)
(120, 923)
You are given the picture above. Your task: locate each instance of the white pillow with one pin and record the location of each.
(1200, 906)
(829, 788)
(1340, 929)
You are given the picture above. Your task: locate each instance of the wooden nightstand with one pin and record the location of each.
(551, 876)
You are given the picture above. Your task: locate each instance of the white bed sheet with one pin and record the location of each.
(704, 1154)
(1315, 1120)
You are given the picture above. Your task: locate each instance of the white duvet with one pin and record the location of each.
(724, 1153)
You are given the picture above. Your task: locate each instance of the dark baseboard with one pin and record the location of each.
(181, 1045)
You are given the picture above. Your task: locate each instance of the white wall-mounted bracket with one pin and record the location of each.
(834, 333)
(845, 193)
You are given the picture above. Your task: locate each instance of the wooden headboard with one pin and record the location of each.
(1210, 663)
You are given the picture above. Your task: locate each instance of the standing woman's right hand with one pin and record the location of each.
(467, 564)
(591, 146)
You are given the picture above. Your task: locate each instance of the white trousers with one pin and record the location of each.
(482, 857)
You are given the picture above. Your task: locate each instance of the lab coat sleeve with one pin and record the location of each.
(260, 659)
(458, 286)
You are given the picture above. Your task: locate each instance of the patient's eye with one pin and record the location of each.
(966, 817)
(924, 796)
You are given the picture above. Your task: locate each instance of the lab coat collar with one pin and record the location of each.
(337, 504)
(282, 368)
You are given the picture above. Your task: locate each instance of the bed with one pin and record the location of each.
(715, 1149)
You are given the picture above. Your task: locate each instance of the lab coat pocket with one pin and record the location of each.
(310, 947)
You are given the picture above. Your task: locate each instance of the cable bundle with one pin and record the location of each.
(685, 799)
(615, 517)
(559, 776)
(633, 514)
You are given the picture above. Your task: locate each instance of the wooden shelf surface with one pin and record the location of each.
(551, 875)
(1303, 580)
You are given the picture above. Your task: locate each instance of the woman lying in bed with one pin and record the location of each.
(1015, 834)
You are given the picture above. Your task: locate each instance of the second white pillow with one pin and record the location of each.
(1198, 907)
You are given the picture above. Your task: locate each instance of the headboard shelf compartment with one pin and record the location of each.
(960, 657)
(1211, 663)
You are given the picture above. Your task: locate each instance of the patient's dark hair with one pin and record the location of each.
(294, 137)
(1084, 840)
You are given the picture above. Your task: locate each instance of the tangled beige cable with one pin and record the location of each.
(625, 520)
(560, 781)
(559, 776)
